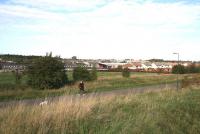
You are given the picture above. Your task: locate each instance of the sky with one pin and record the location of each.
(119, 29)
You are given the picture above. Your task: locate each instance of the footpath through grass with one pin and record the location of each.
(162, 112)
(107, 81)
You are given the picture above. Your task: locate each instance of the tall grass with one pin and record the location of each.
(62, 116)
(160, 112)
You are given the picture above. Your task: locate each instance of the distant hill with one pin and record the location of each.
(156, 60)
(20, 59)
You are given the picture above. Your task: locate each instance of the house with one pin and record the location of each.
(11, 66)
(70, 65)
(164, 67)
(102, 66)
(108, 66)
(146, 66)
(154, 66)
(129, 66)
(138, 66)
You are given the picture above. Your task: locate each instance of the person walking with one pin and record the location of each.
(81, 87)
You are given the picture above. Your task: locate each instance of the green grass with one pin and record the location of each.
(111, 74)
(106, 81)
(7, 78)
(149, 113)
(126, 83)
(8, 82)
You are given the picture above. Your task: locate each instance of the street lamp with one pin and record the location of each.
(177, 71)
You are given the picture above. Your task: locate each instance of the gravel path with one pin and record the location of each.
(153, 88)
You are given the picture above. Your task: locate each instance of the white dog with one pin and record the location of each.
(43, 103)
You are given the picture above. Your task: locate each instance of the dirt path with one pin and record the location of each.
(153, 88)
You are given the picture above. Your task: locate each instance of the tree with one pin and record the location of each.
(18, 76)
(193, 68)
(93, 74)
(126, 73)
(179, 69)
(119, 68)
(81, 73)
(47, 73)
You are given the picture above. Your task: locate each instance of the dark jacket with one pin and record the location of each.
(81, 86)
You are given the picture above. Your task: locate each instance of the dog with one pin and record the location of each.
(43, 103)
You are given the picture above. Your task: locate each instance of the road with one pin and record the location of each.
(153, 88)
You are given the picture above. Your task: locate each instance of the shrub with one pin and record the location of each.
(193, 68)
(126, 73)
(18, 76)
(81, 73)
(179, 69)
(93, 74)
(47, 73)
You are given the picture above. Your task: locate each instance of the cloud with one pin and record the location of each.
(25, 12)
(131, 28)
(63, 5)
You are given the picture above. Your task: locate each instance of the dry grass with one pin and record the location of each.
(56, 116)
(160, 112)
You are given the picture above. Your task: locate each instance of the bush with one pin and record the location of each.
(18, 76)
(179, 69)
(47, 73)
(93, 74)
(81, 73)
(193, 68)
(126, 73)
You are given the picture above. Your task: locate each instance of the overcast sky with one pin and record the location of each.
(137, 29)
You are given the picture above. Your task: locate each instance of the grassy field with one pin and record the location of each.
(106, 81)
(160, 112)
(7, 78)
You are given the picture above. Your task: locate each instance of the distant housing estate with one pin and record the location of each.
(106, 65)
(132, 65)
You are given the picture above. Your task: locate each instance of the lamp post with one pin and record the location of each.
(177, 71)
